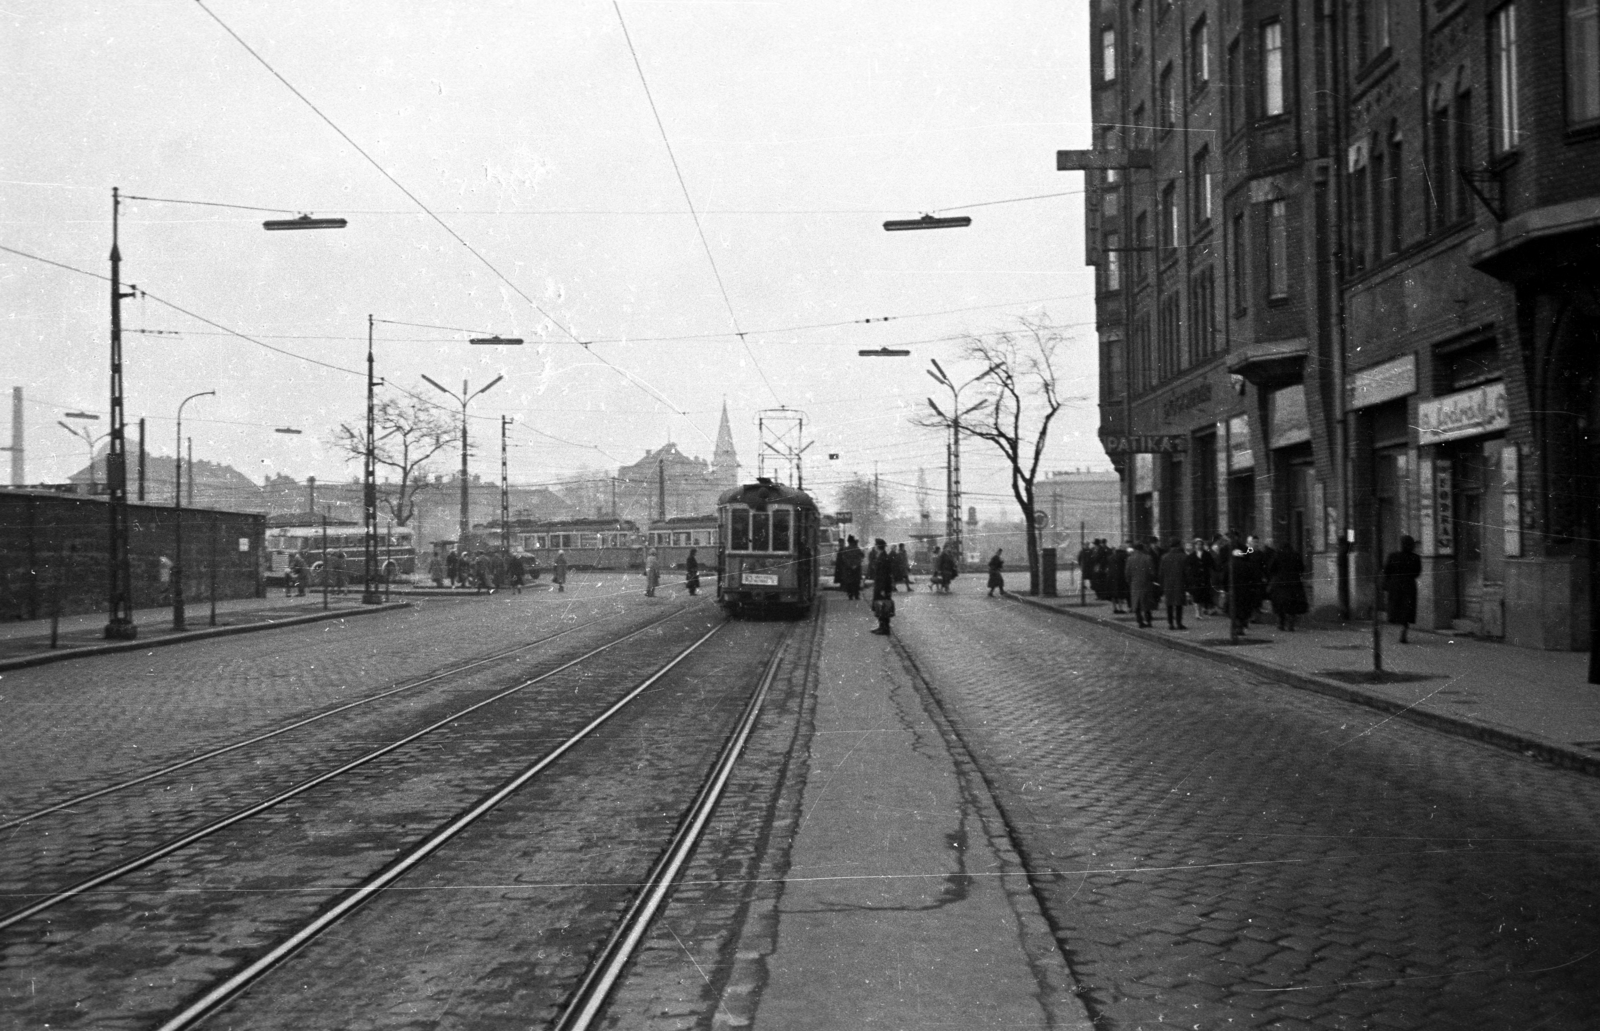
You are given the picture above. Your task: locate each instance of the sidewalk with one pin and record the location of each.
(27, 643)
(903, 904)
(1536, 702)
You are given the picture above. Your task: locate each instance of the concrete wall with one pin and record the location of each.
(53, 550)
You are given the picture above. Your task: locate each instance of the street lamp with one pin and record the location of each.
(952, 512)
(884, 352)
(926, 222)
(177, 517)
(84, 435)
(463, 398)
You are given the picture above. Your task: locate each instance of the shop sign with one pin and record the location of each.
(1467, 413)
(1287, 420)
(1239, 454)
(1435, 508)
(1186, 400)
(1146, 443)
(1392, 379)
(1511, 498)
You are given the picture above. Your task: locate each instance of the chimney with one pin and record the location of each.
(17, 477)
(311, 493)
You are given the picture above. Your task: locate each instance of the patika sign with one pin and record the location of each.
(1146, 443)
(1465, 414)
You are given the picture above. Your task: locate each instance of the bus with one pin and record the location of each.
(397, 551)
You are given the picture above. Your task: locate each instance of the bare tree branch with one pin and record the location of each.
(408, 433)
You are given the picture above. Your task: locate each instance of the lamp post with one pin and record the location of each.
(177, 517)
(952, 514)
(120, 625)
(83, 434)
(463, 398)
(369, 489)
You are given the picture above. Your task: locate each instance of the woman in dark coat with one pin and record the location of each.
(996, 564)
(1245, 576)
(1197, 572)
(1284, 588)
(850, 569)
(1400, 572)
(1141, 575)
(1119, 578)
(1174, 577)
(691, 572)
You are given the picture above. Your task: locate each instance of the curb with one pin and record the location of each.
(61, 655)
(1526, 744)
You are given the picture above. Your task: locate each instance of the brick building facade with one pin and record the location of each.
(1368, 305)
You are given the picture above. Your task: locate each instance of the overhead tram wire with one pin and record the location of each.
(430, 213)
(698, 228)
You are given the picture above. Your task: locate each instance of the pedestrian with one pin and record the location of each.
(652, 572)
(1245, 579)
(948, 570)
(850, 569)
(691, 572)
(1119, 577)
(1173, 574)
(436, 570)
(452, 566)
(1400, 572)
(1284, 587)
(559, 576)
(996, 580)
(481, 573)
(1140, 571)
(1197, 575)
(1264, 555)
(900, 564)
(515, 571)
(882, 586)
(339, 580)
(296, 575)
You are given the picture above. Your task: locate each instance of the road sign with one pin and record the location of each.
(1041, 519)
(845, 517)
(1146, 443)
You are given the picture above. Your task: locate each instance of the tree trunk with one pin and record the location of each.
(1033, 550)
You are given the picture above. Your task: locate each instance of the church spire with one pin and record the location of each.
(724, 462)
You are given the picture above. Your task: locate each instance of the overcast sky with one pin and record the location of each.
(798, 126)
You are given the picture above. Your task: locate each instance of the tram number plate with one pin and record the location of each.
(760, 579)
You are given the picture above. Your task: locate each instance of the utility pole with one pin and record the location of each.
(463, 398)
(120, 625)
(17, 475)
(505, 491)
(369, 488)
(141, 458)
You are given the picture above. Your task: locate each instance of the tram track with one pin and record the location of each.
(183, 841)
(217, 752)
(103, 894)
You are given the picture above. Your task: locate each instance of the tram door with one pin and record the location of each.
(805, 553)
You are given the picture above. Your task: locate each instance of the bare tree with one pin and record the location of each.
(1018, 399)
(409, 431)
(870, 508)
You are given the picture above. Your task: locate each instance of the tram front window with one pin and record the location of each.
(760, 531)
(780, 529)
(739, 531)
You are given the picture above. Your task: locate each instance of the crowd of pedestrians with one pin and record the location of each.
(1232, 575)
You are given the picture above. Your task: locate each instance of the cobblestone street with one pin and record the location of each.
(1216, 850)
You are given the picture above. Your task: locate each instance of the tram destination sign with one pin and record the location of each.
(1146, 443)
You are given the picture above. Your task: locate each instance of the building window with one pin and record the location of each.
(1110, 201)
(1358, 218)
(1380, 186)
(1199, 55)
(1110, 140)
(1168, 98)
(1141, 241)
(1201, 180)
(1170, 330)
(1503, 77)
(1202, 314)
(1112, 371)
(1113, 262)
(1371, 29)
(1141, 357)
(1583, 60)
(1108, 55)
(1241, 266)
(1272, 68)
(1141, 127)
(1463, 154)
(1439, 182)
(1277, 249)
(1169, 219)
(1396, 190)
(1236, 87)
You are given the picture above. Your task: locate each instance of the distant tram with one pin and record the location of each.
(674, 538)
(614, 544)
(768, 549)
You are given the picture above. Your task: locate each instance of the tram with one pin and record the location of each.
(767, 553)
(674, 538)
(611, 544)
